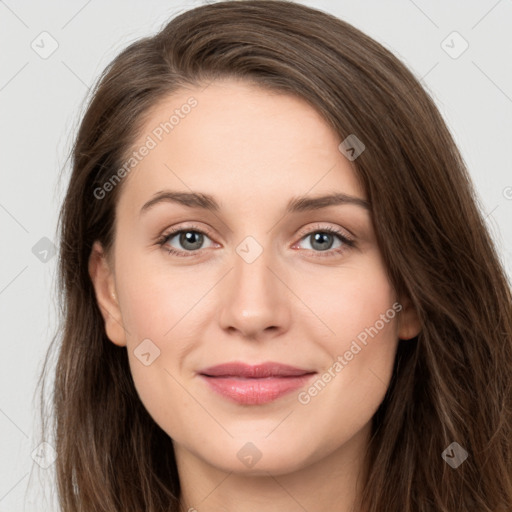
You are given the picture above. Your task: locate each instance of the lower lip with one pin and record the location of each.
(256, 391)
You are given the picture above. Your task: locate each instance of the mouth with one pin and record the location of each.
(255, 384)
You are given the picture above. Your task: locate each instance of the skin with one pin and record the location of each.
(253, 150)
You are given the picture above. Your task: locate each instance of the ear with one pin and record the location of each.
(102, 277)
(409, 324)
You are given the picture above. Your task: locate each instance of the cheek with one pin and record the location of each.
(154, 300)
(366, 311)
(352, 302)
(163, 317)
(158, 341)
(358, 308)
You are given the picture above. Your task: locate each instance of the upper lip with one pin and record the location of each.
(238, 369)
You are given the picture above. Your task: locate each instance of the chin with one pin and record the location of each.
(258, 457)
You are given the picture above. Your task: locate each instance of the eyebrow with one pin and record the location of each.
(296, 204)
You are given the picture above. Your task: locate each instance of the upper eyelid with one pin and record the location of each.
(329, 229)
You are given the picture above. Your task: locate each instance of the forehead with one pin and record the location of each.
(236, 140)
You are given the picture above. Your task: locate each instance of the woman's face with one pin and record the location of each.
(260, 274)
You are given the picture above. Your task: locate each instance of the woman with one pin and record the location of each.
(256, 369)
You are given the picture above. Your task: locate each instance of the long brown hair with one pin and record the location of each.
(452, 383)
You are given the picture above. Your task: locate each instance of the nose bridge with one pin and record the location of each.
(254, 299)
(251, 266)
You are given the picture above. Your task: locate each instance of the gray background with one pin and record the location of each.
(41, 100)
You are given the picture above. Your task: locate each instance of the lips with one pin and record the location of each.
(254, 372)
(254, 385)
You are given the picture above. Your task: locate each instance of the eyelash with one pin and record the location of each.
(348, 242)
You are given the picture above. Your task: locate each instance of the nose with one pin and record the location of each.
(254, 298)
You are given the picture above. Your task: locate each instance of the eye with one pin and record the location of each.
(191, 238)
(321, 240)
